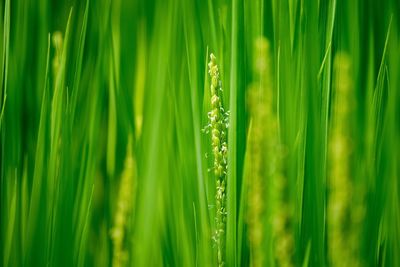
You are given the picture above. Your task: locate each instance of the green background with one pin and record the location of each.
(64, 135)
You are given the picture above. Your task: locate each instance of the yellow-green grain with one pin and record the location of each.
(343, 218)
(125, 204)
(218, 125)
(255, 158)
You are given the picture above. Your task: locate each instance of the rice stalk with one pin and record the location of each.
(256, 146)
(218, 125)
(125, 204)
(57, 41)
(272, 163)
(343, 217)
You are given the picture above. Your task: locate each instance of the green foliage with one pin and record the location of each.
(79, 79)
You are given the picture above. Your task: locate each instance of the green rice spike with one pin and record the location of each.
(255, 157)
(342, 227)
(271, 166)
(125, 204)
(218, 125)
(57, 41)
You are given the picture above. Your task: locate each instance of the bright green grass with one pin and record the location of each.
(64, 134)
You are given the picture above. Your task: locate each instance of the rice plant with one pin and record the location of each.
(199, 133)
(218, 126)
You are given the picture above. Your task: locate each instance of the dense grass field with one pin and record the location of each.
(200, 133)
